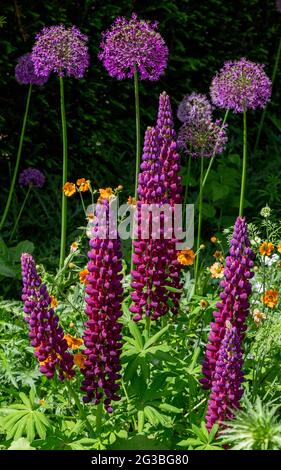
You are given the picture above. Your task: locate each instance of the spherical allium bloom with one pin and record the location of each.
(31, 177)
(131, 45)
(226, 391)
(203, 138)
(102, 335)
(194, 107)
(46, 336)
(241, 85)
(61, 50)
(278, 5)
(234, 304)
(25, 72)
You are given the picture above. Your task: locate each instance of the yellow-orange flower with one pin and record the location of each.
(79, 360)
(258, 316)
(270, 298)
(42, 401)
(203, 304)
(72, 342)
(83, 184)
(48, 359)
(74, 247)
(218, 255)
(279, 247)
(106, 193)
(266, 248)
(213, 239)
(54, 302)
(132, 201)
(69, 189)
(82, 276)
(217, 270)
(186, 257)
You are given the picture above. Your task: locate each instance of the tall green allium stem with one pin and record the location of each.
(199, 224)
(274, 72)
(64, 176)
(20, 212)
(186, 187)
(138, 147)
(138, 132)
(15, 174)
(80, 408)
(244, 165)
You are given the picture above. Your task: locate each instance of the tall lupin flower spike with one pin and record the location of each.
(25, 75)
(46, 336)
(133, 48)
(63, 51)
(234, 304)
(226, 391)
(241, 85)
(102, 336)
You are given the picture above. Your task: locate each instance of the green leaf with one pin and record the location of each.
(23, 247)
(21, 444)
(140, 421)
(156, 337)
(135, 333)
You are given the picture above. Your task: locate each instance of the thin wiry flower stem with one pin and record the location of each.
(138, 132)
(244, 167)
(186, 186)
(214, 154)
(15, 174)
(199, 224)
(20, 213)
(275, 68)
(64, 176)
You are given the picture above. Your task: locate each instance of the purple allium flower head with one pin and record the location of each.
(25, 73)
(203, 138)
(131, 45)
(226, 391)
(194, 108)
(46, 336)
(241, 85)
(31, 177)
(61, 50)
(234, 303)
(102, 336)
(278, 5)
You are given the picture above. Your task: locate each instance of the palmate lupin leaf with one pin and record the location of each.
(24, 419)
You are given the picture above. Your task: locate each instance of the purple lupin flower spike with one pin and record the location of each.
(102, 336)
(150, 259)
(25, 73)
(133, 45)
(234, 304)
(170, 160)
(46, 336)
(226, 391)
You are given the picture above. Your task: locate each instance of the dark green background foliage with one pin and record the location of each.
(100, 110)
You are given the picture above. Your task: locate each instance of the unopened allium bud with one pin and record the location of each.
(265, 212)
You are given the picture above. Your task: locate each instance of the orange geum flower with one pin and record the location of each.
(266, 248)
(217, 270)
(213, 239)
(270, 298)
(258, 316)
(74, 247)
(203, 304)
(54, 302)
(218, 255)
(79, 360)
(72, 342)
(69, 189)
(106, 193)
(186, 257)
(83, 184)
(82, 276)
(132, 201)
(279, 247)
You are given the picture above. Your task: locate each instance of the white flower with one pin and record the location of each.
(258, 287)
(270, 260)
